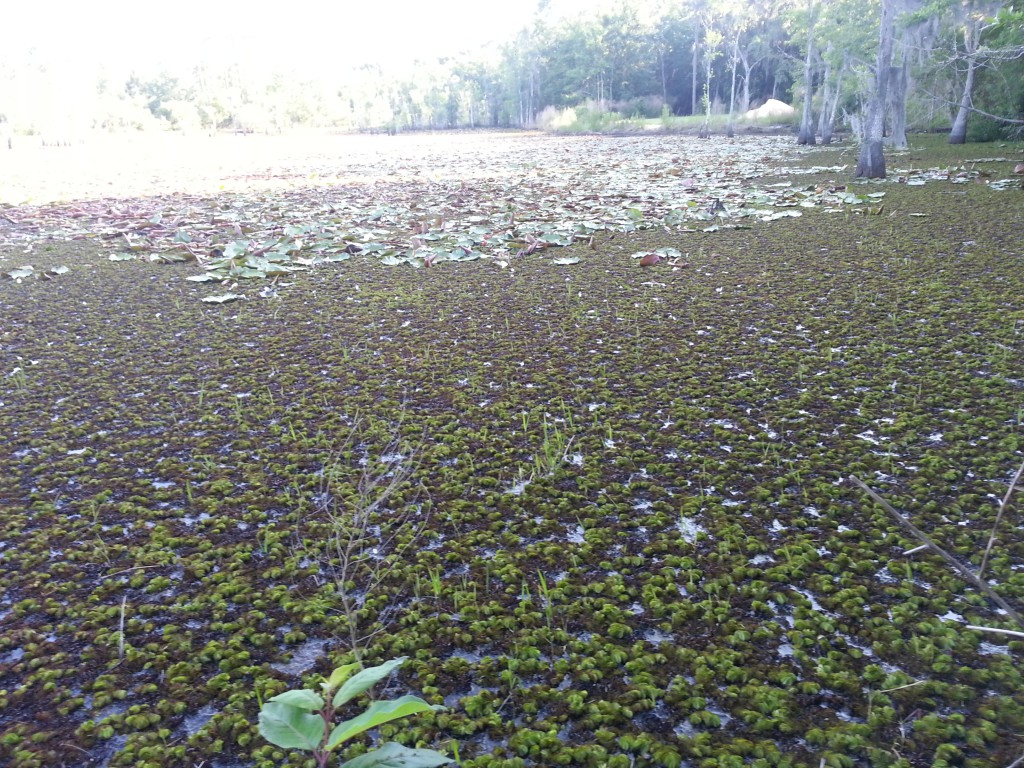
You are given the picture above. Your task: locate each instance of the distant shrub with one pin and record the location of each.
(983, 129)
(594, 121)
(643, 106)
(555, 119)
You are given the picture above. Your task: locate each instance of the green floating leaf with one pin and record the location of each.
(361, 681)
(21, 272)
(237, 248)
(246, 272)
(277, 269)
(378, 713)
(223, 298)
(61, 270)
(290, 727)
(788, 213)
(394, 755)
(208, 277)
(168, 258)
(122, 257)
(566, 260)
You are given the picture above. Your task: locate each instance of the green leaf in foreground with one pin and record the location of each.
(339, 676)
(566, 260)
(223, 298)
(378, 713)
(290, 727)
(361, 681)
(394, 755)
(300, 699)
(301, 719)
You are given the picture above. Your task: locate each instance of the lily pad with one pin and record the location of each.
(222, 298)
(19, 273)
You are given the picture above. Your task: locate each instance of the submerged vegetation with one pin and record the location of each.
(627, 534)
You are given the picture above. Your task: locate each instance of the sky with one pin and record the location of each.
(297, 34)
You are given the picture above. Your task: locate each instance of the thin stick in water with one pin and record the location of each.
(950, 560)
(120, 641)
(996, 630)
(999, 518)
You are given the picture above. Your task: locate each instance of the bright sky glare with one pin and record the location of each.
(299, 35)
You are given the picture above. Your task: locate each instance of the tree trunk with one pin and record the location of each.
(898, 106)
(826, 100)
(705, 129)
(832, 108)
(693, 82)
(530, 111)
(729, 129)
(744, 105)
(806, 135)
(958, 134)
(899, 84)
(871, 163)
(664, 80)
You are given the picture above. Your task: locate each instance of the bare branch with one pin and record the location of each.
(1007, 120)
(356, 536)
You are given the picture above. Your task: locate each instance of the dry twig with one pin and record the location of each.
(950, 560)
(364, 547)
(999, 518)
(996, 630)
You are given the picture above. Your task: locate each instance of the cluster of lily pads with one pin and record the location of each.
(637, 545)
(529, 201)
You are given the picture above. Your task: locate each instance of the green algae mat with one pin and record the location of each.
(433, 406)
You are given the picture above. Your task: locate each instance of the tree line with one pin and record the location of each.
(880, 66)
